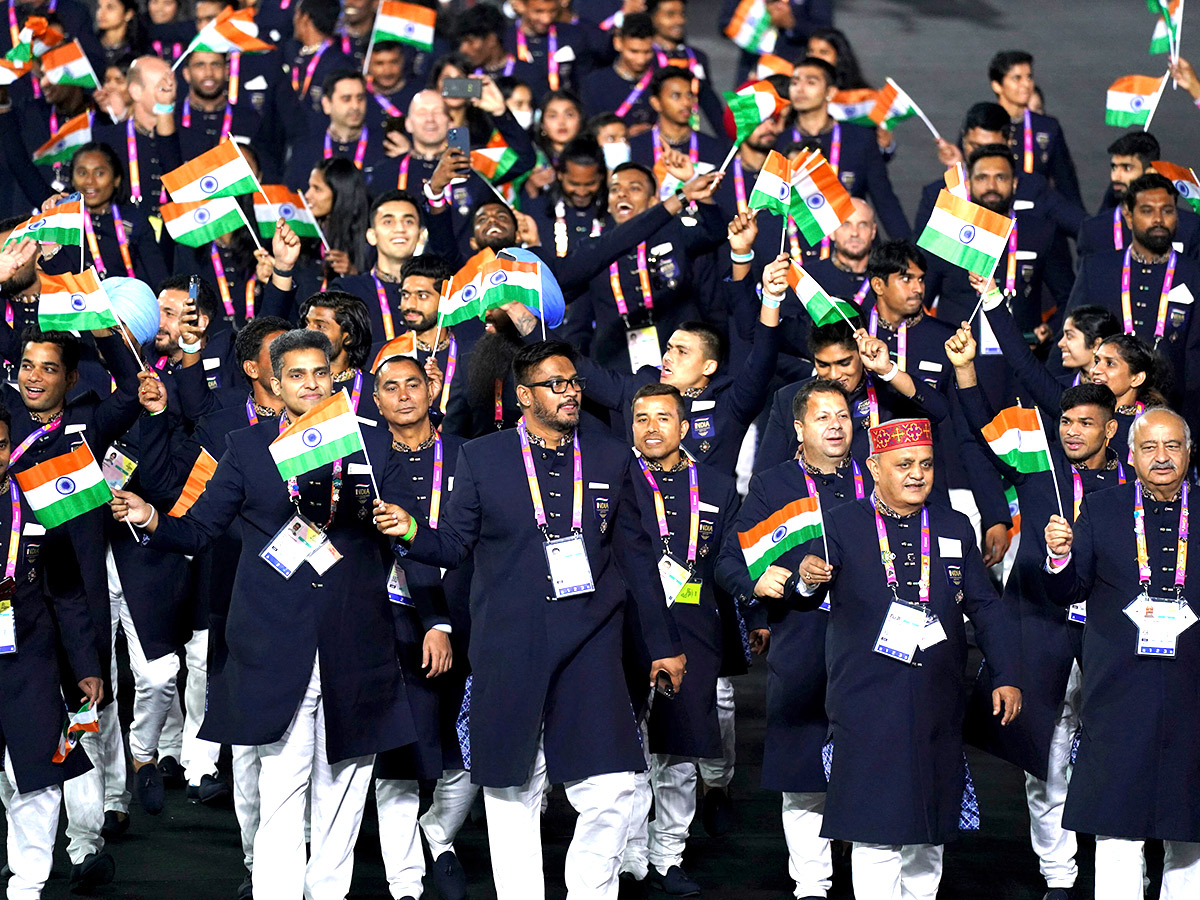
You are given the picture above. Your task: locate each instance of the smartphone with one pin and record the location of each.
(663, 686)
(463, 88)
(70, 198)
(460, 138)
(394, 124)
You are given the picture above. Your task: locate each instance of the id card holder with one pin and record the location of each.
(988, 345)
(901, 631)
(570, 571)
(674, 576)
(1158, 622)
(642, 344)
(932, 634)
(1077, 613)
(324, 556)
(117, 467)
(397, 586)
(689, 594)
(292, 545)
(8, 628)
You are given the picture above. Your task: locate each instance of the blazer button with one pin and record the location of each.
(317, 584)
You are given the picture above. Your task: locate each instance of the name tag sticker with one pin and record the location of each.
(565, 54)
(1180, 294)
(1022, 204)
(210, 363)
(1027, 255)
(597, 486)
(74, 429)
(358, 469)
(33, 529)
(450, 483)
(926, 365)
(662, 249)
(702, 405)
(950, 547)
(708, 507)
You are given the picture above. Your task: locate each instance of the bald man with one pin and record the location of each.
(427, 124)
(844, 273)
(1139, 748)
(151, 124)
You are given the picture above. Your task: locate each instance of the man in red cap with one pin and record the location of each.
(896, 648)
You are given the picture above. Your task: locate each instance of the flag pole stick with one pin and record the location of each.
(976, 310)
(370, 465)
(783, 232)
(320, 230)
(1178, 39)
(246, 222)
(1162, 86)
(920, 112)
(187, 51)
(257, 183)
(1057, 495)
(136, 353)
(729, 157)
(370, 44)
(437, 335)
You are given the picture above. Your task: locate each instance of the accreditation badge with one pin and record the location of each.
(8, 621)
(674, 576)
(901, 631)
(642, 344)
(1159, 622)
(570, 571)
(298, 541)
(397, 586)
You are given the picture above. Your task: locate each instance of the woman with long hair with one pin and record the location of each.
(558, 121)
(337, 196)
(1138, 377)
(120, 28)
(1083, 331)
(832, 45)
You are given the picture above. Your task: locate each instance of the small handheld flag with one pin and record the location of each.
(819, 202)
(61, 224)
(1185, 181)
(505, 281)
(965, 234)
(281, 202)
(753, 105)
(67, 64)
(403, 345)
(1131, 99)
(1017, 438)
(230, 32)
(894, 105)
(772, 189)
(71, 302)
(195, 224)
(407, 23)
(203, 469)
(795, 524)
(219, 172)
(821, 308)
(854, 107)
(956, 181)
(326, 432)
(63, 143)
(750, 27)
(460, 297)
(87, 719)
(34, 39)
(10, 71)
(64, 487)
(495, 159)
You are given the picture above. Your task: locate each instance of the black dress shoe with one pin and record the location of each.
(448, 877)
(96, 869)
(5, 872)
(1058, 894)
(115, 825)
(716, 812)
(172, 772)
(149, 785)
(629, 887)
(246, 888)
(676, 882)
(211, 791)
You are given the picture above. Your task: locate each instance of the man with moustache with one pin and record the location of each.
(206, 116)
(844, 273)
(1126, 556)
(895, 688)
(345, 133)
(825, 468)
(1158, 304)
(575, 207)
(536, 644)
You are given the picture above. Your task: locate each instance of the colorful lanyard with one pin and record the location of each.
(402, 178)
(1028, 142)
(510, 63)
(235, 68)
(356, 389)
(385, 310)
(535, 492)
(135, 180)
(872, 413)
(693, 146)
(1077, 485)
(160, 50)
(660, 512)
(122, 242)
(525, 55)
(222, 281)
(561, 236)
(1010, 273)
(335, 490)
(435, 495)
(861, 294)
(33, 438)
(811, 485)
(1160, 325)
(635, 94)
(739, 185)
(14, 537)
(360, 151)
(901, 339)
(451, 365)
(226, 121)
(614, 279)
(886, 555)
(309, 71)
(498, 403)
(387, 105)
(1139, 531)
(251, 412)
(1118, 233)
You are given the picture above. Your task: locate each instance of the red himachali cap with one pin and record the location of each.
(900, 433)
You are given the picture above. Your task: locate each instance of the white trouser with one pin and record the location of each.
(809, 860)
(397, 802)
(1054, 846)
(32, 825)
(673, 780)
(452, 798)
(199, 757)
(339, 793)
(245, 798)
(744, 468)
(1120, 866)
(153, 679)
(636, 856)
(101, 789)
(896, 871)
(604, 804)
(170, 741)
(717, 773)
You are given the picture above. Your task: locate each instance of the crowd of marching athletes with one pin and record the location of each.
(328, 329)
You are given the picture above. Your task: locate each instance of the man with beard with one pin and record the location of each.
(1040, 741)
(393, 229)
(345, 134)
(489, 402)
(206, 116)
(673, 99)
(1130, 157)
(574, 208)
(546, 669)
(1126, 555)
(342, 318)
(215, 353)
(1149, 285)
(844, 273)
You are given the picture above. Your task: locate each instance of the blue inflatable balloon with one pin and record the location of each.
(553, 305)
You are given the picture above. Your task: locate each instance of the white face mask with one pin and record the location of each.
(524, 117)
(615, 154)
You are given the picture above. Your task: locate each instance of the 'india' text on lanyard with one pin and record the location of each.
(1160, 324)
(901, 338)
(888, 558)
(360, 149)
(1181, 547)
(122, 242)
(524, 54)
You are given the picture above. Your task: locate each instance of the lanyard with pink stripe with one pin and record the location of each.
(1160, 324)
(888, 558)
(535, 492)
(33, 438)
(660, 512)
(360, 151)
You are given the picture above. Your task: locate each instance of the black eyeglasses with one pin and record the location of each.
(560, 385)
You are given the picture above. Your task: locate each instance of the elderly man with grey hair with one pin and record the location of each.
(1139, 749)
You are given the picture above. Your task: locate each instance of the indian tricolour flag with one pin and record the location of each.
(407, 23)
(956, 181)
(61, 224)
(772, 190)
(35, 38)
(795, 524)
(202, 472)
(753, 105)
(1130, 100)
(460, 294)
(281, 202)
(71, 302)
(197, 223)
(64, 487)
(821, 308)
(402, 345)
(494, 160)
(10, 71)
(87, 719)
(1016, 437)
(751, 29)
(854, 107)
(769, 64)
(966, 234)
(326, 432)
(1166, 28)
(506, 281)
(892, 106)
(63, 143)
(230, 32)
(67, 64)
(219, 172)
(819, 202)
(1185, 181)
